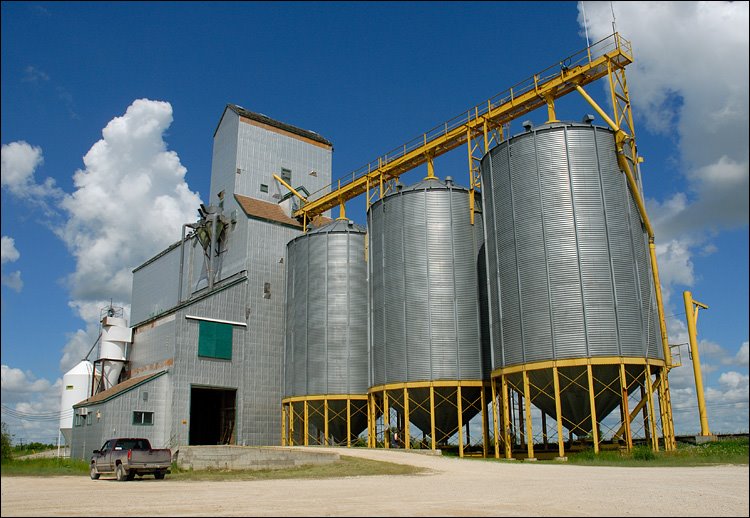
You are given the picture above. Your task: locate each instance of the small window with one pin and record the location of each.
(263, 188)
(286, 175)
(143, 418)
(215, 340)
(78, 420)
(89, 419)
(267, 290)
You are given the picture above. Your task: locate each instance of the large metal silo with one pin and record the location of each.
(326, 333)
(425, 309)
(569, 278)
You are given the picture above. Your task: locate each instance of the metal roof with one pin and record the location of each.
(264, 119)
(118, 389)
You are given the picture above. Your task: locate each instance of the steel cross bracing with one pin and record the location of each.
(479, 126)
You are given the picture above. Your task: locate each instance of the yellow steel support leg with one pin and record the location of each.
(529, 426)
(652, 415)
(283, 424)
(506, 417)
(493, 384)
(371, 424)
(432, 416)
(305, 424)
(459, 415)
(691, 314)
(485, 426)
(625, 411)
(407, 426)
(594, 422)
(558, 414)
(668, 424)
(291, 424)
(348, 423)
(386, 421)
(325, 422)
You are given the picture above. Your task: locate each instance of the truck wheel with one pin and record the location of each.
(93, 472)
(131, 475)
(122, 476)
(159, 475)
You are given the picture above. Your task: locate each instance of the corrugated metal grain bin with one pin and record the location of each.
(425, 308)
(567, 256)
(326, 318)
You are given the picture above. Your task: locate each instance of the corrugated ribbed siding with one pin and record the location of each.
(327, 301)
(569, 273)
(425, 309)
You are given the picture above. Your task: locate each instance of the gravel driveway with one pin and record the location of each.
(453, 487)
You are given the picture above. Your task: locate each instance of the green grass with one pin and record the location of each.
(733, 451)
(44, 467)
(345, 467)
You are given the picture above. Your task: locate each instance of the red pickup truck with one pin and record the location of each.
(127, 457)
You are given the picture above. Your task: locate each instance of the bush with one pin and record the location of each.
(7, 449)
(643, 453)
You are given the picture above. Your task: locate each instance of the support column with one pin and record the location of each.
(407, 426)
(594, 422)
(493, 385)
(460, 421)
(348, 422)
(325, 422)
(558, 414)
(485, 424)
(506, 419)
(386, 421)
(306, 426)
(650, 400)
(432, 415)
(625, 409)
(529, 425)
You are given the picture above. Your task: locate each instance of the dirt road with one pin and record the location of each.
(453, 487)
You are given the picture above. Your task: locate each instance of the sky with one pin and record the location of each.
(109, 109)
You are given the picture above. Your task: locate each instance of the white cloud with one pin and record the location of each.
(32, 406)
(689, 80)
(741, 357)
(19, 161)
(13, 281)
(130, 202)
(8, 251)
(9, 254)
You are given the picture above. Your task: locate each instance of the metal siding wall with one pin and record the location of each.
(152, 344)
(116, 419)
(262, 153)
(224, 157)
(155, 287)
(424, 306)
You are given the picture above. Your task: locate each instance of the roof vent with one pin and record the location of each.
(587, 119)
(527, 125)
(449, 181)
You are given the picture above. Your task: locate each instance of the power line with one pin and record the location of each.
(28, 416)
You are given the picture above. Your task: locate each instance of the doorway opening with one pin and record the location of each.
(212, 415)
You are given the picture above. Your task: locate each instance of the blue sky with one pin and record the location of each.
(367, 76)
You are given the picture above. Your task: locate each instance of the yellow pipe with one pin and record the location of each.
(291, 189)
(691, 315)
(342, 211)
(430, 169)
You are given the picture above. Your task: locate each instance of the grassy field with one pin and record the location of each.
(733, 451)
(345, 467)
(721, 452)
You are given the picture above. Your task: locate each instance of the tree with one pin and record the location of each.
(7, 439)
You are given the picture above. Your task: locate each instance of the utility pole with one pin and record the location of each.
(691, 314)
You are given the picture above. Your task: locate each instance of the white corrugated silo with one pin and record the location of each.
(76, 385)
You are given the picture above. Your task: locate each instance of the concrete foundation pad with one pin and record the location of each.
(248, 457)
(561, 459)
(530, 459)
(702, 439)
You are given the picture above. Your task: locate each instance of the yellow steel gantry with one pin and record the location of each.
(480, 125)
